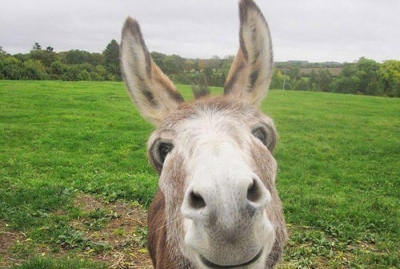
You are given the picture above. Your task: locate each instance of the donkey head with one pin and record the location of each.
(217, 205)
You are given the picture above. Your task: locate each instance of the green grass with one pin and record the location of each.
(339, 177)
(46, 263)
(338, 156)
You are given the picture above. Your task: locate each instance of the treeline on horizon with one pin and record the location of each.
(366, 76)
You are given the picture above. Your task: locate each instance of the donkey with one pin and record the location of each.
(217, 205)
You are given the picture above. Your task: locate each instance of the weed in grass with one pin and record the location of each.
(96, 219)
(140, 236)
(119, 232)
(69, 238)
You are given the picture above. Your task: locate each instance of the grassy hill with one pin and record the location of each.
(339, 176)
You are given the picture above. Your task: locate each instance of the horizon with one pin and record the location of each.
(315, 30)
(221, 57)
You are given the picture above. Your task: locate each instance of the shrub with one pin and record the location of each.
(34, 70)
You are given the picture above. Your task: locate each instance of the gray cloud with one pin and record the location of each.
(313, 30)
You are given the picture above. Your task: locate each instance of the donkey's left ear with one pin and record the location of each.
(152, 91)
(251, 71)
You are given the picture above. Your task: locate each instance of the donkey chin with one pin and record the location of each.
(236, 248)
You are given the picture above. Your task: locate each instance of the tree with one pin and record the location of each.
(196, 65)
(3, 53)
(201, 65)
(33, 70)
(348, 70)
(313, 80)
(72, 73)
(36, 46)
(11, 68)
(366, 72)
(302, 85)
(158, 58)
(374, 88)
(111, 59)
(45, 56)
(84, 75)
(277, 79)
(99, 73)
(389, 77)
(358, 78)
(173, 64)
(226, 63)
(324, 79)
(294, 73)
(57, 69)
(96, 59)
(345, 84)
(214, 63)
(77, 57)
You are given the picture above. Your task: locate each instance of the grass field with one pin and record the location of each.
(73, 166)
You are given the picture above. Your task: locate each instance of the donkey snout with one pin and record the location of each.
(224, 201)
(257, 194)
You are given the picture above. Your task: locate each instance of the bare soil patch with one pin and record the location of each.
(7, 240)
(120, 226)
(124, 231)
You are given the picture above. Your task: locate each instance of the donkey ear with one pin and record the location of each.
(152, 91)
(251, 71)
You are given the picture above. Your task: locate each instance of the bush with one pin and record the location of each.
(302, 85)
(84, 75)
(96, 77)
(11, 68)
(34, 70)
(72, 73)
(57, 68)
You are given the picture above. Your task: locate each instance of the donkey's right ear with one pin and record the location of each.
(152, 91)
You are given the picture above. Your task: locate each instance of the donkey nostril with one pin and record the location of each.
(254, 192)
(196, 201)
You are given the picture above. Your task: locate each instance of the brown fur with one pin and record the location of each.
(159, 101)
(162, 253)
(159, 249)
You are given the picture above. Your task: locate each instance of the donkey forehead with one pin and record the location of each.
(212, 119)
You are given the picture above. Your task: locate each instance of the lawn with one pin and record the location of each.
(73, 165)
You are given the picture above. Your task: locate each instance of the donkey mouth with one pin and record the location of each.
(212, 265)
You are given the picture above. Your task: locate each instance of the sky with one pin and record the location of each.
(309, 30)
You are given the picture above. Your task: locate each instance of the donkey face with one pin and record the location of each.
(217, 205)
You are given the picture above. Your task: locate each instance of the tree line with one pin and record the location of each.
(365, 76)
(73, 65)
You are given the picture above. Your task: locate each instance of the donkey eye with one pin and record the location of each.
(159, 151)
(163, 150)
(261, 134)
(266, 134)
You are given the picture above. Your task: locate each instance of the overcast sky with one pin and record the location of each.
(312, 30)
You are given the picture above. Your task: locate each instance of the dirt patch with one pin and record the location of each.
(116, 233)
(7, 240)
(122, 227)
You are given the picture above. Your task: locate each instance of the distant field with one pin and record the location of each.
(73, 162)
